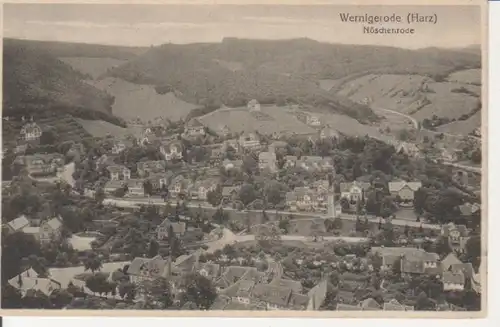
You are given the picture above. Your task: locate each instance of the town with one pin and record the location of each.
(180, 216)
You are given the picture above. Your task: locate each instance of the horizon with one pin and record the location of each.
(245, 39)
(153, 25)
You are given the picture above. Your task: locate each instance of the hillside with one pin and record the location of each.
(36, 83)
(68, 49)
(235, 71)
(94, 67)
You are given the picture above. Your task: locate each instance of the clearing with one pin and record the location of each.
(134, 101)
(100, 128)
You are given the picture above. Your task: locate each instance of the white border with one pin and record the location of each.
(493, 226)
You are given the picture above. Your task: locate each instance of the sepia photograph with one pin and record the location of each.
(317, 158)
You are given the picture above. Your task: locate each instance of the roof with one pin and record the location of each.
(398, 186)
(54, 223)
(236, 163)
(294, 285)
(298, 301)
(18, 223)
(394, 305)
(317, 295)
(453, 277)
(28, 280)
(245, 288)
(30, 127)
(468, 209)
(390, 254)
(346, 187)
(465, 268)
(345, 296)
(152, 165)
(267, 155)
(134, 183)
(178, 227)
(272, 294)
(194, 123)
(153, 267)
(446, 229)
(451, 259)
(116, 168)
(370, 304)
(212, 269)
(412, 266)
(291, 196)
(234, 273)
(114, 184)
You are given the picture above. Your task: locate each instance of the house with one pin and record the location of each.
(202, 187)
(328, 133)
(180, 187)
(457, 236)
(210, 271)
(449, 155)
(249, 141)
(279, 298)
(159, 180)
(407, 148)
(171, 150)
(308, 118)
(31, 132)
(223, 130)
(290, 161)
(404, 190)
(118, 172)
(50, 230)
(268, 161)
(291, 200)
(453, 281)
(29, 280)
(461, 177)
(41, 164)
(294, 285)
(111, 186)
(412, 260)
(135, 187)
(253, 105)
(301, 198)
(194, 128)
(141, 269)
(394, 305)
(233, 144)
(18, 224)
(145, 168)
(354, 192)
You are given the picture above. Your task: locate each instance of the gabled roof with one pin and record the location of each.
(370, 304)
(298, 301)
(317, 295)
(272, 294)
(345, 296)
(294, 285)
(212, 269)
(178, 227)
(55, 223)
(398, 186)
(154, 267)
(394, 305)
(194, 123)
(453, 278)
(451, 259)
(227, 190)
(346, 187)
(468, 209)
(155, 165)
(19, 223)
(117, 168)
(465, 268)
(446, 229)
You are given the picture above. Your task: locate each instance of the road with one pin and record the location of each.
(134, 203)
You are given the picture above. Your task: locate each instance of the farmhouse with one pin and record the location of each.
(194, 128)
(404, 190)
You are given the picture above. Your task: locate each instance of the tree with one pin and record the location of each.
(158, 292)
(153, 248)
(92, 262)
(275, 192)
(215, 197)
(49, 137)
(473, 250)
(99, 195)
(283, 225)
(344, 203)
(199, 290)
(127, 290)
(247, 194)
(97, 283)
(36, 300)
(11, 297)
(148, 187)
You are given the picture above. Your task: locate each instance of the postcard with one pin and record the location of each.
(263, 159)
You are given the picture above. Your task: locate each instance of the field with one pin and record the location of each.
(100, 128)
(462, 127)
(273, 119)
(469, 76)
(94, 67)
(134, 101)
(415, 95)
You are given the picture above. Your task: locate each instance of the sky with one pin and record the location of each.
(146, 25)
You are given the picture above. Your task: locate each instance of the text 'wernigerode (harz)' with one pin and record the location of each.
(388, 24)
